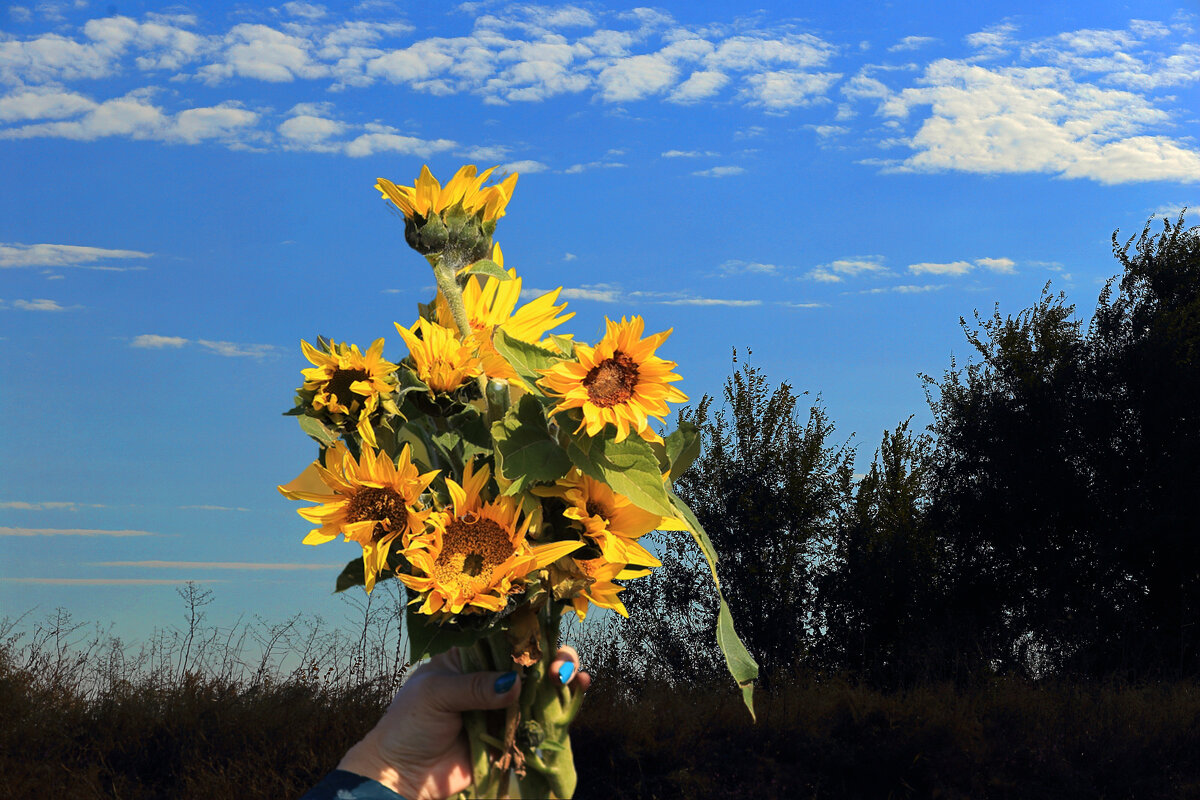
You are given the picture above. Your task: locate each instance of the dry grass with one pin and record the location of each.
(207, 713)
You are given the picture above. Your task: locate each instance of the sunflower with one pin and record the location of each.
(609, 519)
(476, 554)
(490, 304)
(371, 501)
(427, 197)
(619, 381)
(443, 362)
(583, 581)
(345, 382)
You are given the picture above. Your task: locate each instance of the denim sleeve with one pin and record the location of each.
(342, 785)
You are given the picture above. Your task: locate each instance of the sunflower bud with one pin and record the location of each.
(453, 223)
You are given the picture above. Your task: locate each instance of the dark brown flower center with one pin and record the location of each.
(386, 506)
(472, 547)
(612, 381)
(339, 385)
(594, 509)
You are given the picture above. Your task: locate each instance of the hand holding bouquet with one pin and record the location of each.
(502, 471)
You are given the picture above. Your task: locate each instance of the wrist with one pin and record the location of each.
(364, 759)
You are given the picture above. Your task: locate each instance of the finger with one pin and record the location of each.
(475, 690)
(565, 668)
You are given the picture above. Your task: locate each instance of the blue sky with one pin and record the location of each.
(187, 192)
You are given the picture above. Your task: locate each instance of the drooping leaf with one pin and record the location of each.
(741, 664)
(525, 449)
(629, 467)
(683, 447)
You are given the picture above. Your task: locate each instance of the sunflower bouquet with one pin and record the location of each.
(502, 471)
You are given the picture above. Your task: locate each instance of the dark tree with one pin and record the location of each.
(878, 596)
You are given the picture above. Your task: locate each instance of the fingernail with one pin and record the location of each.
(566, 671)
(505, 682)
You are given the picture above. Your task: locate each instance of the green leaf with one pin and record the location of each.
(525, 450)
(468, 436)
(683, 447)
(524, 357)
(354, 574)
(427, 637)
(564, 343)
(629, 467)
(741, 664)
(409, 382)
(317, 430)
(488, 268)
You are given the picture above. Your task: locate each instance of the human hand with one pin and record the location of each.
(418, 749)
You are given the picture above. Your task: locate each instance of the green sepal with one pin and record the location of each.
(295, 412)
(524, 357)
(525, 450)
(354, 574)
(629, 467)
(409, 382)
(683, 448)
(487, 268)
(317, 430)
(741, 664)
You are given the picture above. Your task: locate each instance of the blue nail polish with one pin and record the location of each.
(566, 671)
(505, 682)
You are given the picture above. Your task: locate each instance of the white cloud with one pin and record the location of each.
(802, 305)
(688, 153)
(133, 116)
(933, 268)
(152, 341)
(837, 271)
(575, 169)
(41, 304)
(70, 532)
(636, 77)
(596, 292)
(1004, 266)
(369, 144)
(911, 43)
(738, 267)
(20, 13)
(211, 508)
(905, 289)
(748, 53)
(569, 256)
(42, 102)
(993, 41)
(720, 172)
(787, 89)
(528, 167)
(700, 85)
(710, 301)
(60, 255)
(309, 11)
(263, 53)
(108, 581)
(235, 349)
(1036, 119)
(306, 131)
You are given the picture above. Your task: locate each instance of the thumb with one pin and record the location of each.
(474, 690)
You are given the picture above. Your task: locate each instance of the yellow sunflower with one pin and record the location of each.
(475, 555)
(490, 304)
(619, 381)
(345, 381)
(370, 501)
(609, 519)
(583, 581)
(428, 197)
(443, 362)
